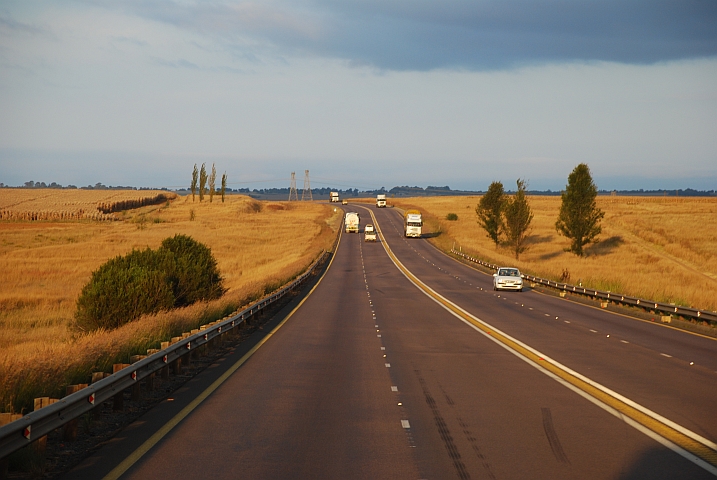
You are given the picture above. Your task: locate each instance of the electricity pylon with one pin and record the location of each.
(307, 188)
(293, 195)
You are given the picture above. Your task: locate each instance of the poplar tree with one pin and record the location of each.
(195, 176)
(490, 210)
(224, 185)
(579, 217)
(518, 216)
(212, 183)
(202, 182)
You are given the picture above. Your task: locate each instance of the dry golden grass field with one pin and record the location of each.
(45, 264)
(658, 248)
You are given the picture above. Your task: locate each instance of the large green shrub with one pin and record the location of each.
(181, 272)
(194, 275)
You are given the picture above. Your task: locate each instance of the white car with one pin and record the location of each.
(369, 233)
(508, 278)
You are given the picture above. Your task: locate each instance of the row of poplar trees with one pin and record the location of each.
(203, 179)
(507, 219)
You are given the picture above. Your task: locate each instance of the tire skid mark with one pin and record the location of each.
(443, 430)
(470, 437)
(552, 435)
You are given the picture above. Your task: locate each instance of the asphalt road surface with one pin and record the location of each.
(370, 378)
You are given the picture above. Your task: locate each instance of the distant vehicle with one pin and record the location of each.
(381, 201)
(344, 202)
(369, 233)
(352, 221)
(412, 223)
(508, 278)
(334, 196)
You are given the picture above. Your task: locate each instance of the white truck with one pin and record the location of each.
(381, 201)
(412, 223)
(334, 196)
(351, 222)
(369, 233)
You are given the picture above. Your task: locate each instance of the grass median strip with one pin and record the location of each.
(688, 444)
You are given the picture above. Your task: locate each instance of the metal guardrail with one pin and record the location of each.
(21, 432)
(666, 308)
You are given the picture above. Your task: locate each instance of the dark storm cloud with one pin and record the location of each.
(455, 34)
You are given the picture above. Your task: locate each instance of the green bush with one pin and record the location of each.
(194, 275)
(179, 273)
(452, 217)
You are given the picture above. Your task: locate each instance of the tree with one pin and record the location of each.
(195, 176)
(202, 182)
(490, 209)
(517, 216)
(212, 183)
(579, 217)
(224, 185)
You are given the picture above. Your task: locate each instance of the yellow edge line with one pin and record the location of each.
(690, 445)
(135, 456)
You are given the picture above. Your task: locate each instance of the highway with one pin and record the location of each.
(371, 378)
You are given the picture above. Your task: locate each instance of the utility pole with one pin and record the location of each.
(307, 188)
(292, 190)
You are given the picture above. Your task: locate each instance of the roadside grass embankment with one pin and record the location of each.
(658, 248)
(259, 246)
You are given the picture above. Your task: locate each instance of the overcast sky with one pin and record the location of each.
(363, 93)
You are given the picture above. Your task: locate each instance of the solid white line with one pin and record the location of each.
(666, 355)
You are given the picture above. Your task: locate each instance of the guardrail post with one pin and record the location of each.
(137, 387)
(165, 369)
(118, 399)
(69, 431)
(151, 377)
(41, 443)
(96, 377)
(6, 418)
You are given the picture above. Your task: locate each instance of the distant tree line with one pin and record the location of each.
(97, 186)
